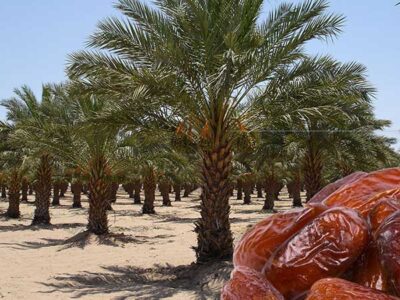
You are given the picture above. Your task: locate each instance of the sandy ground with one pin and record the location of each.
(148, 257)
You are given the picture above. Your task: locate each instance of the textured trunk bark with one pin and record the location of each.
(98, 195)
(214, 236)
(56, 194)
(164, 188)
(313, 172)
(24, 190)
(346, 170)
(149, 186)
(14, 195)
(177, 190)
(270, 194)
(43, 191)
(114, 190)
(76, 189)
(137, 188)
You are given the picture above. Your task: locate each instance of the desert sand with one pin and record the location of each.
(147, 256)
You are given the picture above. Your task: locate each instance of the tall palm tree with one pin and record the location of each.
(204, 64)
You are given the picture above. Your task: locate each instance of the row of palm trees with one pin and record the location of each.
(198, 92)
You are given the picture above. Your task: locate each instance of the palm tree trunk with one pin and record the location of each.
(24, 190)
(43, 191)
(137, 188)
(177, 190)
(270, 194)
(114, 190)
(30, 191)
(76, 189)
(239, 187)
(14, 195)
(187, 190)
(109, 197)
(149, 186)
(3, 191)
(278, 186)
(295, 188)
(98, 195)
(63, 188)
(164, 190)
(214, 236)
(312, 172)
(247, 188)
(259, 189)
(56, 194)
(129, 188)
(85, 189)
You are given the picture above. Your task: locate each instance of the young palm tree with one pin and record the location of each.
(13, 163)
(204, 64)
(30, 116)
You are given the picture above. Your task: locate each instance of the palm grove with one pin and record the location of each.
(194, 93)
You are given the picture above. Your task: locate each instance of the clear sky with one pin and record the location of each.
(37, 35)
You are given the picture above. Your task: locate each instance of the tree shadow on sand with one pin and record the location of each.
(80, 240)
(200, 281)
(20, 227)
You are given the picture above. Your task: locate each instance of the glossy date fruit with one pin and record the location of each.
(326, 247)
(339, 289)
(368, 270)
(383, 209)
(248, 284)
(334, 186)
(258, 244)
(361, 194)
(388, 241)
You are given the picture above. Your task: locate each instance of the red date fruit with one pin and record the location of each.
(339, 289)
(388, 241)
(360, 195)
(334, 186)
(258, 244)
(248, 284)
(383, 209)
(326, 247)
(368, 270)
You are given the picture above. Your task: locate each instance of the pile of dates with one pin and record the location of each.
(345, 244)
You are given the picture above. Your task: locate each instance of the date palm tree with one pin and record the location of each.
(338, 100)
(84, 147)
(203, 65)
(13, 161)
(28, 115)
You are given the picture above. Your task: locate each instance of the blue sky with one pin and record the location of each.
(37, 35)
